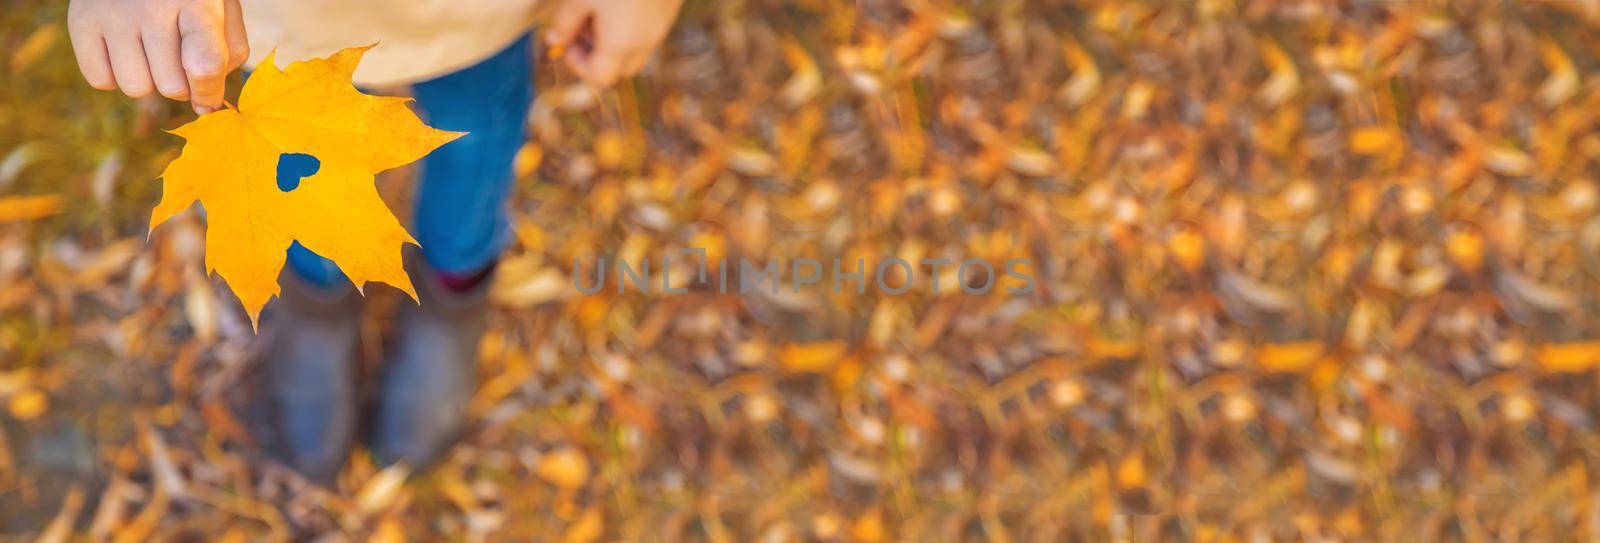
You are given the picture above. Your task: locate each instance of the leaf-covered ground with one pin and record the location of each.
(1305, 270)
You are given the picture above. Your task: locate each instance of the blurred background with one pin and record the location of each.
(1305, 270)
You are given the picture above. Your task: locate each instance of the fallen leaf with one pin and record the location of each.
(869, 526)
(566, 468)
(587, 528)
(1188, 249)
(163, 466)
(1285, 79)
(388, 531)
(19, 159)
(751, 161)
(381, 489)
(1508, 161)
(1029, 161)
(27, 208)
(811, 357)
(1569, 357)
(1106, 348)
(1373, 140)
(521, 283)
(1563, 81)
(1131, 472)
(1465, 249)
(31, 49)
(1289, 357)
(60, 528)
(805, 80)
(28, 405)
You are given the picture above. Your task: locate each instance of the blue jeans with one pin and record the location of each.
(460, 203)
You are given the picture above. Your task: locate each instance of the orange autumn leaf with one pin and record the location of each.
(231, 163)
(1465, 249)
(27, 208)
(587, 528)
(1569, 357)
(1372, 140)
(565, 468)
(812, 357)
(869, 526)
(1131, 472)
(1289, 357)
(1188, 249)
(1101, 348)
(28, 405)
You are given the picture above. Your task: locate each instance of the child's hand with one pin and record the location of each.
(605, 40)
(183, 49)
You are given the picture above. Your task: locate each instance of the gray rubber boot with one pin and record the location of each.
(312, 335)
(429, 371)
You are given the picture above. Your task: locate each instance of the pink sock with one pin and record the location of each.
(464, 281)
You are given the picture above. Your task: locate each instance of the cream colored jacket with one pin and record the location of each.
(417, 39)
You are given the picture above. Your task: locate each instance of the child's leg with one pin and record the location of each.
(314, 269)
(428, 369)
(460, 206)
(460, 203)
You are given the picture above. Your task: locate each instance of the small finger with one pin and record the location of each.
(635, 63)
(129, 65)
(238, 41)
(93, 61)
(598, 69)
(569, 19)
(166, 64)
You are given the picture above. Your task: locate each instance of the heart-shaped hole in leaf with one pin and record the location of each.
(292, 167)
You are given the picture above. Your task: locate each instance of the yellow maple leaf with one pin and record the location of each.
(230, 164)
